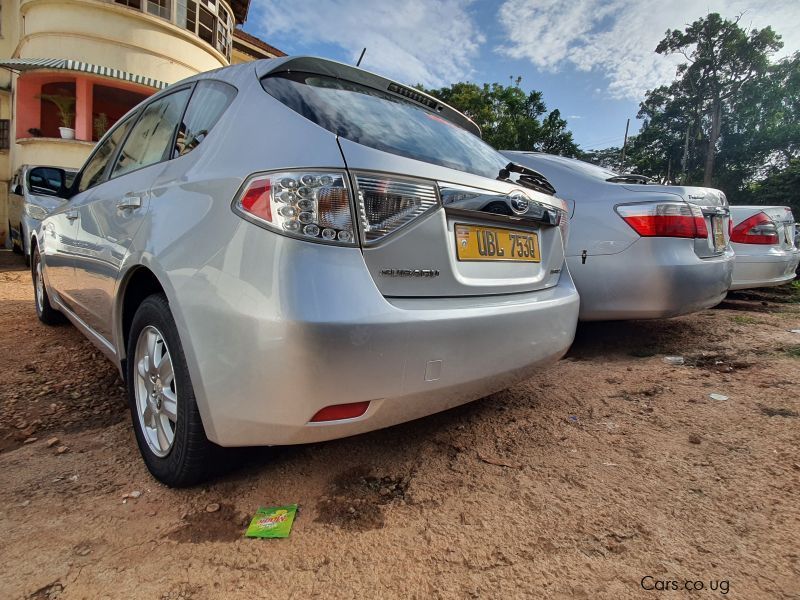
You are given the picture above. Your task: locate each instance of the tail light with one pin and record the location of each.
(758, 229)
(665, 219)
(310, 205)
(563, 221)
(387, 204)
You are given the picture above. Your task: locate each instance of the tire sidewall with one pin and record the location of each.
(40, 312)
(154, 311)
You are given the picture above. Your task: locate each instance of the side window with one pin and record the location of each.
(93, 171)
(152, 135)
(209, 101)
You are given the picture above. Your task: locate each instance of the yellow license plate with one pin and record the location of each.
(718, 227)
(475, 242)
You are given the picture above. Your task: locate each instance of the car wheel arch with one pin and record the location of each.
(139, 283)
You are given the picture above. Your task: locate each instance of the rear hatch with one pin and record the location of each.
(711, 203)
(438, 212)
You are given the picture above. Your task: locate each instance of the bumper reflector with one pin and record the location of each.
(337, 412)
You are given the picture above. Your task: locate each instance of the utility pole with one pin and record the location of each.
(358, 64)
(625, 145)
(685, 160)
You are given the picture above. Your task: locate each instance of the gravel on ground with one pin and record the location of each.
(607, 473)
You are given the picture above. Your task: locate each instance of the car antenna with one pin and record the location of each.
(358, 64)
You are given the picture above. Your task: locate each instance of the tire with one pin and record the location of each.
(15, 248)
(44, 310)
(156, 394)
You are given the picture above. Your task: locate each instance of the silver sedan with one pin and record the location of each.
(764, 240)
(290, 251)
(638, 250)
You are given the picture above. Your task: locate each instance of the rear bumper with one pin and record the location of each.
(769, 268)
(264, 358)
(653, 278)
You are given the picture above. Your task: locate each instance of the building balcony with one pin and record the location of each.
(166, 40)
(89, 105)
(52, 151)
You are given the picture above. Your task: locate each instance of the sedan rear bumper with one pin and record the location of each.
(264, 359)
(770, 268)
(653, 278)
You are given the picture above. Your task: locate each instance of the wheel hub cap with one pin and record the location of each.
(156, 391)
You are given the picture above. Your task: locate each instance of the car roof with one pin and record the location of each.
(332, 68)
(576, 167)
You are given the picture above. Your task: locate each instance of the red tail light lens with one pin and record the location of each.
(665, 219)
(337, 412)
(309, 205)
(758, 229)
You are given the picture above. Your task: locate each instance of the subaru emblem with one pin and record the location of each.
(518, 202)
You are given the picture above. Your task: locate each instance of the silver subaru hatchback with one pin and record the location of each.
(296, 250)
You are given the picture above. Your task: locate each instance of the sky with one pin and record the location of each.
(593, 59)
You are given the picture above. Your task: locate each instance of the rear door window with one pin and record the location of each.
(209, 100)
(151, 137)
(383, 121)
(93, 170)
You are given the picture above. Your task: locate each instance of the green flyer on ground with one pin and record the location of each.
(273, 522)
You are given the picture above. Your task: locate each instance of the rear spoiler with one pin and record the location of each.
(331, 68)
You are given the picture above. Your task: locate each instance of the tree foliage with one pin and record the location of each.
(721, 57)
(509, 118)
(730, 117)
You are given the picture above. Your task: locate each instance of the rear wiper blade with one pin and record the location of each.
(630, 178)
(528, 178)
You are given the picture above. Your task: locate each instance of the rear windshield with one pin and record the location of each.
(383, 121)
(582, 167)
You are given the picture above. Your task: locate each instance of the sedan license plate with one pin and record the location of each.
(718, 229)
(475, 242)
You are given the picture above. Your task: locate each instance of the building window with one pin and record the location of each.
(210, 20)
(159, 8)
(5, 134)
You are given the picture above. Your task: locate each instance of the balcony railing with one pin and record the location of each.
(210, 20)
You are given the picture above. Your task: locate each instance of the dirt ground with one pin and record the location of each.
(607, 468)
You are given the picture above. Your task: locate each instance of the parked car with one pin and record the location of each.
(638, 250)
(283, 252)
(763, 238)
(29, 201)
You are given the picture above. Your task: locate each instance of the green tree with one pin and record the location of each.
(509, 118)
(721, 57)
(779, 188)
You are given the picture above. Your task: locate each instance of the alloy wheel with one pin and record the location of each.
(156, 391)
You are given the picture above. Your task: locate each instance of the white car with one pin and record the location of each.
(763, 239)
(31, 199)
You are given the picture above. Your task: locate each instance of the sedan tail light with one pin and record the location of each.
(665, 219)
(310, 205)
(758, 229)
(387, 204)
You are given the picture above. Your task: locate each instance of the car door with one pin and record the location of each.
(110, 216)
(60, 245)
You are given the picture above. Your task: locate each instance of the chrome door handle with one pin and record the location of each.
(72, 214)
(130, 202)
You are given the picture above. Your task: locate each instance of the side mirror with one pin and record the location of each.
(17, 190)
(50, 181)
